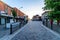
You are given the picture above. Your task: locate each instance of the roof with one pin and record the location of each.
(46, 12)
(19, 10)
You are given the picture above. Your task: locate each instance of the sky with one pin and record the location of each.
(29, 7)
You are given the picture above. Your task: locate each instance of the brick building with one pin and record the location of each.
(19, 13)
(7, 10)
(4, 8)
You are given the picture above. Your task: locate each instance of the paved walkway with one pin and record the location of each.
(55, 27)
(3, 31)
(36, 31)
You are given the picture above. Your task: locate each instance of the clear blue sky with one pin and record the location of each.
(30, 7)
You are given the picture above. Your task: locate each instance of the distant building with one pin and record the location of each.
(36, 18)
(45, 14)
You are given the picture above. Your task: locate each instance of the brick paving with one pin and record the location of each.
(34, 30)
(55, 27)
(3, 31)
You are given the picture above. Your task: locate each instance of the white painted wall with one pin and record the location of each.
(8, 24)
(11, 21)
(44, 15)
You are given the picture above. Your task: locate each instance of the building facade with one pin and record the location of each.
(19, 13)
(36, 18)
(6, 10)
(44, 15)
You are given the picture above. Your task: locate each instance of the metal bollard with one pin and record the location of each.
(46, 22)
(11, 29)
(19, 25)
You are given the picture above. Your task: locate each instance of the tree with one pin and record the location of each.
(54, 6)
(14, 13)
(54, 14)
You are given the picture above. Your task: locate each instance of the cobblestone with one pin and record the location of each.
(34, 30)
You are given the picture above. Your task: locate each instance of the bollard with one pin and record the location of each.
(43, 22)
(19, 25)
(11, 29)
(52, 25)
(51, 22)
(46, 22)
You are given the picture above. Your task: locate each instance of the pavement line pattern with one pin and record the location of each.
(9, 37)
(34, 30)
(55, 33)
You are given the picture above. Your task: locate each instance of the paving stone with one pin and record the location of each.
(35, 31)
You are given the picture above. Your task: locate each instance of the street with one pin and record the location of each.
(34, 30)
(29, 19)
